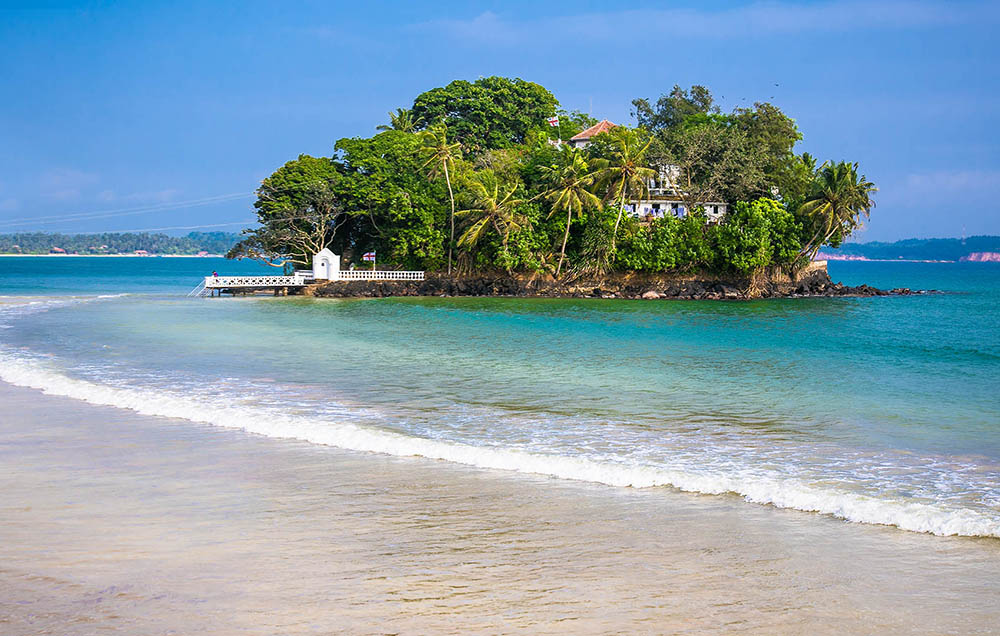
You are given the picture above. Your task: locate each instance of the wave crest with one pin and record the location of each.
(782, 493)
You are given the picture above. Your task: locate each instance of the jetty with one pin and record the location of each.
(326, 267)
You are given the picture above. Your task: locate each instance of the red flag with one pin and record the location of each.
(554, 121)
(368, 256)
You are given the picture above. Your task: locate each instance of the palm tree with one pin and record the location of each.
(625, 176)
(492, 204)
(440, 156)
(570, 181)
(834, 207)
(401, 120)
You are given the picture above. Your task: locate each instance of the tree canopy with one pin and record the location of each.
(672, 108)
(474, 177)
(491, 112)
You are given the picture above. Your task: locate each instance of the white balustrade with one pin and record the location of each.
(367, 274)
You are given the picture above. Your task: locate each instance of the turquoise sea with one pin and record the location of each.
(872, 410)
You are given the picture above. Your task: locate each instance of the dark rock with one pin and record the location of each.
(612, 286)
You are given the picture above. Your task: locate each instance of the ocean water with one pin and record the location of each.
(881, 411)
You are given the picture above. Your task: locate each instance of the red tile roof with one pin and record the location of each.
(602, 126)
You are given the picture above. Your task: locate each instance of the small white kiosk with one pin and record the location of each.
(326, 265)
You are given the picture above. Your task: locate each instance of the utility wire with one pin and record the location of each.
(175, 227)
(127, 211)
(159, 207)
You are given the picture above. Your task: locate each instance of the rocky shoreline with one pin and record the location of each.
(812, 283)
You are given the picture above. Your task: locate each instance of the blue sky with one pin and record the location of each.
(135, 116)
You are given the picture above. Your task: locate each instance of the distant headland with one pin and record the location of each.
(117, 244)
(947, 250)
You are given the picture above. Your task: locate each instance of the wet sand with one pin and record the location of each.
(116, 523)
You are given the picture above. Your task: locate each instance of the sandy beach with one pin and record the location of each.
(112, 522)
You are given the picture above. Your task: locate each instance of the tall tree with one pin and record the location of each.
(796, 179)
(839, 198)
(570, 181)
(673, 108)
(393, 207)
(492, 204)
(714, 163)
(440, 158)
(293, 234)
(492, 112)
(624, 176)
(774, 135)
(402, 120)
(291, 185)
(298, 213)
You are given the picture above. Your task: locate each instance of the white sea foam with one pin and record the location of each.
(780, 492)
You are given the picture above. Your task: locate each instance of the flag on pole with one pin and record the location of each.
(554, 121)
(368, 256)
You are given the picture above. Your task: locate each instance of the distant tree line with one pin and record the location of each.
(117, 243)
(472, 177)
(951, 249)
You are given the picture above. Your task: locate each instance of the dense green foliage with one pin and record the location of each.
(672, 109)
(117, 243)
(757, 235)
(472, 177)
(492, 112)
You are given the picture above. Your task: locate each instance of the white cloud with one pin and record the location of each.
(767, 18)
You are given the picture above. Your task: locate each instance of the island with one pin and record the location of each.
(491, 181)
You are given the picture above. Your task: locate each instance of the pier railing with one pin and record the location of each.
(300, 279)
(226, 282)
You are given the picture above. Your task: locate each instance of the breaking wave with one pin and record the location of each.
(780, 492)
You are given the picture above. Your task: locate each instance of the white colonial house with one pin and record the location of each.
(666, 197)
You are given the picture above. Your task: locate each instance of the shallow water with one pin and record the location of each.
(876, 410)
(581, 423)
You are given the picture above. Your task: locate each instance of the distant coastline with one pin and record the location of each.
(971, 249)
(114, 255)
(863, 259)
(974, 257)
(194, 244)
